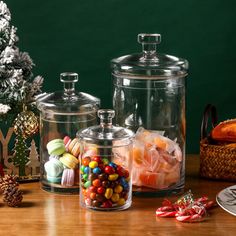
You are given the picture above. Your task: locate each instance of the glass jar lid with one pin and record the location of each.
(68, 101)
(149, 63)
(106, 133)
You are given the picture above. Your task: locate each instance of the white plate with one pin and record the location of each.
(227, 199)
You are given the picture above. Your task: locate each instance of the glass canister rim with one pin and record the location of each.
(54, 103)
(163, 67)
(91, 132)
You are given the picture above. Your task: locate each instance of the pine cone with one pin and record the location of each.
(8, 180)
(12, 196)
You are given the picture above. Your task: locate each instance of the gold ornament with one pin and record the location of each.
(26, 124)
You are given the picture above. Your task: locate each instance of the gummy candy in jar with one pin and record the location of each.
(62, 114)
(149, 99)
(106, 163)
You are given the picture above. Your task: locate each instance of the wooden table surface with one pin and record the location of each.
(43, 213)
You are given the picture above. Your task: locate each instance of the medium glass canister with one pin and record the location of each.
(106, 165)
(62, 114)
(149, 98)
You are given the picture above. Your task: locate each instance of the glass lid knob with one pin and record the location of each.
(149, 42)
(69, 79)
(106, 116)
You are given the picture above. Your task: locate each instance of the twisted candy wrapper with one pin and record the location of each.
(186, 208)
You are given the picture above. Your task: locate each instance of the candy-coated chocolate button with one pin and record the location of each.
(115, 197)
(126, 186)
(126, 173)
(120, 171)
(103, 176)
(105, 183)
(101, 190)
(127, 179)
(93, 164)
(92, 196)
(123, 181)
(113, 184)
(108, 193)
(86, 161)
(118, 189)
(105, 161)
(121, 202)
(124, 195)
(92, 189)
(97, 159)
(92, 176)
(96, 203)
(97, 182)
(97, 170)
(101, 166)
(100, 197)
(86, 170)
(113, 177)
(85, 177)
(109, 170)
(112, 164)
(107, 204)
(87, 184)
(82, 169)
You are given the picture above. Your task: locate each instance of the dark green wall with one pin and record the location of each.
(83, 36)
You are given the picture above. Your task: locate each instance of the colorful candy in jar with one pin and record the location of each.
(156, 160)
(61, 168)
(105, 184)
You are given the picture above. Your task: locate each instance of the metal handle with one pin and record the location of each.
(210, 110)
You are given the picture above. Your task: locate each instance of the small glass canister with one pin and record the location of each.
(106, 164)
(62, 114)
(149, 98)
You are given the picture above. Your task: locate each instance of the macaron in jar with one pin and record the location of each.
(106, 165)
(62, 115)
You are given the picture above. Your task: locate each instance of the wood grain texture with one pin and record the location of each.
(43, 213)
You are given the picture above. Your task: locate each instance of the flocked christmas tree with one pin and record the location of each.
(18, 89)
(17, 86)
(20, 154)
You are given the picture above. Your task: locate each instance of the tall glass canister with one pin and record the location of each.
(106, 165)
(62, 114)
(149, 98)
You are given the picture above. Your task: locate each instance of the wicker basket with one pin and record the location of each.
(216, 161)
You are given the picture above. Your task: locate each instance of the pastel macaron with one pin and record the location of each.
(54, 167)
(54, 157)
(69, 161)
(56, 147)
(53, 179)
(67, 141)
(74, 147)
(68, 177)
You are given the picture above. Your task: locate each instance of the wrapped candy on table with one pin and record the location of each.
(157, 160)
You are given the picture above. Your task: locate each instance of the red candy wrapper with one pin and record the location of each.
(186, 208)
